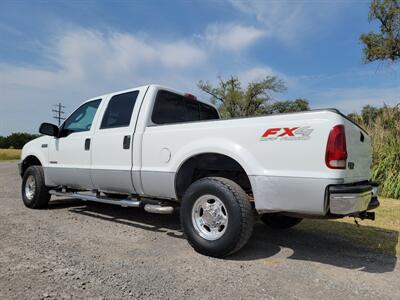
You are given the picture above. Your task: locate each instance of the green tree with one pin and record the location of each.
(16, 140)
(296, 105)
(242, 102)
(386, 44)
(369, 114)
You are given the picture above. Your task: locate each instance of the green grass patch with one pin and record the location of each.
(10, 154)
(381, 235)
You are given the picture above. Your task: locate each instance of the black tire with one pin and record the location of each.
(239, 214)
(278, 221)
(39, 198)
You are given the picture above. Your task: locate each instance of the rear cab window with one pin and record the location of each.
(170, 108)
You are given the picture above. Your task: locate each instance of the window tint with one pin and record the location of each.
(81, 119)
(168, 108)
(173, 108)
(119, 110)
(208, 112)
(192, 110)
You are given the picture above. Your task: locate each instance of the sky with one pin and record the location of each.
(69, 51)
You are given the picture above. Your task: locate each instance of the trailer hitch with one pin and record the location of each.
(365, 215)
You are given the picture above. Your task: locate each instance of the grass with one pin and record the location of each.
(381, 235)
(10, 154)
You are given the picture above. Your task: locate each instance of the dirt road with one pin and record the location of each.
(79, 250)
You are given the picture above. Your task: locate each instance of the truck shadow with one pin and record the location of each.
(135, 217)
(303, 242)
(306, 244)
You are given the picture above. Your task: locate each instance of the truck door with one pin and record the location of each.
(69, 154)
(113, 141)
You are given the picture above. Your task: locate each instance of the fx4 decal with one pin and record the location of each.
(287, 134)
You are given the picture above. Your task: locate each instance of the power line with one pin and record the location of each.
(58, 113)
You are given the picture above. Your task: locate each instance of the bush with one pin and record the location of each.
(383, 126)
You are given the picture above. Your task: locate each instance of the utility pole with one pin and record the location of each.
(58, 113)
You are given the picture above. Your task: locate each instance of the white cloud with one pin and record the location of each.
(180, 54)
(85, 50)
(84, 55)
(83, 63)
(257, 73)
(289, 20)
(232, 36)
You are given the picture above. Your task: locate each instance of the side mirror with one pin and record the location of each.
(48, 129)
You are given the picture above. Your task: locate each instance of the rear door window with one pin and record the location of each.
(119, 110)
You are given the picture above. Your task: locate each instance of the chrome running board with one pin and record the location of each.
(94, 198)
(151, 208)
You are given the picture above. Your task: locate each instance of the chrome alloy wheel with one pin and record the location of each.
(210, 217)
(30, 187)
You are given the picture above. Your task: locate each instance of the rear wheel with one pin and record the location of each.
(216, 216)
(34, 192)
(278, 221)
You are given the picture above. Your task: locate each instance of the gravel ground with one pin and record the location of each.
(79, 250)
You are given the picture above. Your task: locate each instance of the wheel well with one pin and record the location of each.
(29, 161)
(210, 164)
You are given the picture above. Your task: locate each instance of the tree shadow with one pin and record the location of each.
(304, 241)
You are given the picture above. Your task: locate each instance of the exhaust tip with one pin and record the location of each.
(158, 209)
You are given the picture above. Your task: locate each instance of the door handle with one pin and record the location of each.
(127, 142)
(87, 144)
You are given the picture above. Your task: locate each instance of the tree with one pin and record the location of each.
(239, 102)
(296, 105)
(16, 140)
(386, 44)
(369, 114)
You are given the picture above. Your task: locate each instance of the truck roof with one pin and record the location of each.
(156, 86)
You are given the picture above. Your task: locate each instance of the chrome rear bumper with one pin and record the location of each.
(350, 199)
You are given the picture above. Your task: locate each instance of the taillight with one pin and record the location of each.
(336, 151)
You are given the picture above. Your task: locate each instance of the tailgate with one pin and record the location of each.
(359, 153)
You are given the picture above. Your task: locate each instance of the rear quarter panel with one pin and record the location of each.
(284, 162)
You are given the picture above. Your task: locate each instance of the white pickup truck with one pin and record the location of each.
(157, 148)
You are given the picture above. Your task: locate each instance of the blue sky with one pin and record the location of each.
(69, 51)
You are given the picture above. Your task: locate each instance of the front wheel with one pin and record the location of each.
(278, 221)
(216, 216)
(34, 192)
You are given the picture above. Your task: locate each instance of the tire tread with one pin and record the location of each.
(40, 200)
(245, 209)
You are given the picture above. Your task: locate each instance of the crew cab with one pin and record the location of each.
(163, 150)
